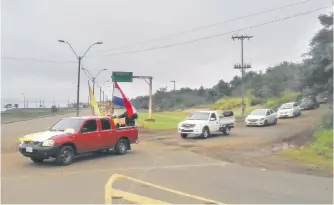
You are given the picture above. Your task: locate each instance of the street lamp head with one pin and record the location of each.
(61, 41)
(99, 42)
(104, 69)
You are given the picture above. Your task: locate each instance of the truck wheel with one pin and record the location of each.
(205, 133)
(226, 131)
(184, 136)
(37, 160)
(121, 147)
(65, 155)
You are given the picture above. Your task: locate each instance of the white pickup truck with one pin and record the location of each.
(205, 123)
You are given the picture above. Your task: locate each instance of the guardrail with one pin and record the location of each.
(111, 193)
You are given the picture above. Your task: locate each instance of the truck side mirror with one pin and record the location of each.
(212, 119)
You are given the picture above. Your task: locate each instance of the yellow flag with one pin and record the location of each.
(93, 101)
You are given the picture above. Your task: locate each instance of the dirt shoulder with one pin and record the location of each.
(253, 146)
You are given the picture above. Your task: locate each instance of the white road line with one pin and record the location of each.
(115, 169)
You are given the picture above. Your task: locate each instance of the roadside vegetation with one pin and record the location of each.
(163, 120)
(319, 150)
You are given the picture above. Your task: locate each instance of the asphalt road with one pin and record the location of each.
(173, 169)
(85, 180)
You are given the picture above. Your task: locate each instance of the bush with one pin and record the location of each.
(229, 103)
(287, 96)
(256, 101)
(54, 109)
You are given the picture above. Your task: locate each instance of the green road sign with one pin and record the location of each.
(119, 76)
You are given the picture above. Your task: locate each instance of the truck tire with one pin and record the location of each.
(121, 146)
(226, 130)
(205, 133)
(37, 160)
(65, 155)
(184, 136)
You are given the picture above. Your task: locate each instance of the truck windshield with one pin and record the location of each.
(199, 116)
(68, 123)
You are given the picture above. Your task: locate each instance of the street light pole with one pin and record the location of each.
(93, 78)
(79, 66)
(24, 100)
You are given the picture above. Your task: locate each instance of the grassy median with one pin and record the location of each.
(163, 120)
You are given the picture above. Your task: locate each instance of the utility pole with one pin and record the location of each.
(242, 67)
(40, 103)
(43, 103)
(149, 82)
(103, 96)
(27, 104)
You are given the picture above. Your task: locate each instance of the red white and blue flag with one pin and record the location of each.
(120, 99)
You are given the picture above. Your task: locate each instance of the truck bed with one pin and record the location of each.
(227, 120)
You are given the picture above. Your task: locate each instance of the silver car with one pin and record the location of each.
(291, 109)
(261, 117)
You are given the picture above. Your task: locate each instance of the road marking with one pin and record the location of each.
(114, 169)
(110, 192)
(133, 198)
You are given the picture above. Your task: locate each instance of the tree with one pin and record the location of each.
(16, 105)
(318, 62)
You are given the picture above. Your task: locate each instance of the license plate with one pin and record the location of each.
(28, 149)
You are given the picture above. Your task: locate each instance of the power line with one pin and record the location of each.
(38, 60)
(213, 36)
(210, 25)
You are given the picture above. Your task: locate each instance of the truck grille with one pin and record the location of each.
(188, 125)
(31, 143)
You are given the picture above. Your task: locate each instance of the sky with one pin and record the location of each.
(33, 62)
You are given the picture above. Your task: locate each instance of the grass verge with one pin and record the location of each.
(163, 120)
(319, 151)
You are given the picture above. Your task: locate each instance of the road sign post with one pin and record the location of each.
(122, 77)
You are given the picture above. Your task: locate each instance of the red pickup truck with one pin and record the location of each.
(75, 136)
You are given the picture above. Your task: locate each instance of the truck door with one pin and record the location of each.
(213, 123)
(108, 135)
(89, 138)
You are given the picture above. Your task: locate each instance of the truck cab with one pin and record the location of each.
(78, 135)
(205, 123)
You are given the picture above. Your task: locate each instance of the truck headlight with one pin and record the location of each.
(48, 143)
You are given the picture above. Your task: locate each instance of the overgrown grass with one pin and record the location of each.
(163, 120)
(229, 103)
(320, 149)
(275, 102)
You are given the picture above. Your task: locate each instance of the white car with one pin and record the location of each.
(291, 109)
(205, 123)
(261, 117)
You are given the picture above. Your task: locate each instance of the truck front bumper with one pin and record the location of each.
(194, 131)
(39, 151)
